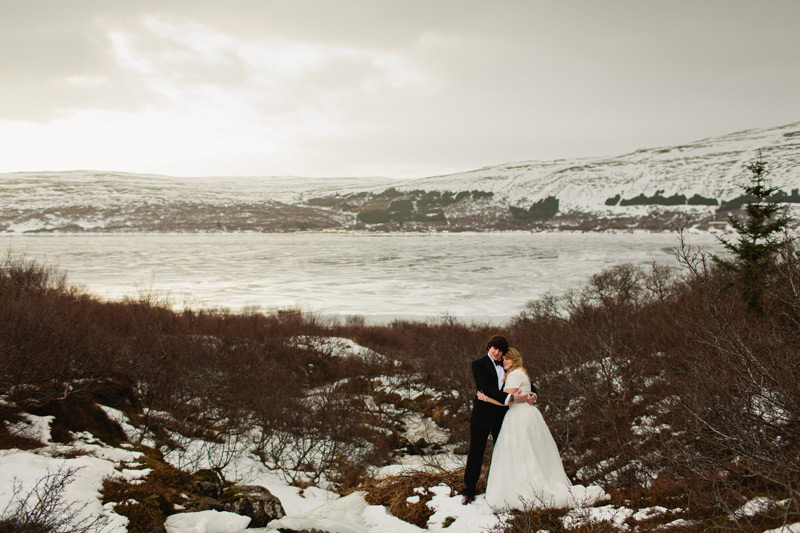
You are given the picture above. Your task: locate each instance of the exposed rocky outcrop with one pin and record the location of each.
(253, 501)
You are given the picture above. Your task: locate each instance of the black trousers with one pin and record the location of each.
(478, 437)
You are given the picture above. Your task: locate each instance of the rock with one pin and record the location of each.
(203, 503)
(208, 484)
(254, 501)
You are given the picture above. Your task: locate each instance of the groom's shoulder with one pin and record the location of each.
(479, 360)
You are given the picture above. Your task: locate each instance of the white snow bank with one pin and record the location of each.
(605, 514)
(21, 470)
(352, 514)
(206, 522)
(32, 427)
(339, 347)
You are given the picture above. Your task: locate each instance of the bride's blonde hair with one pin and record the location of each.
(515, 357)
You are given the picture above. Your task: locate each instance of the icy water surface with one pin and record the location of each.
(481, 277)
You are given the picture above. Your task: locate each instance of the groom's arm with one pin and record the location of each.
(486, 381)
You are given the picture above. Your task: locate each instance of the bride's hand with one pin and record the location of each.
(481, 396)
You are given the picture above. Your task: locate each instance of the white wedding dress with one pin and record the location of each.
(526, 469)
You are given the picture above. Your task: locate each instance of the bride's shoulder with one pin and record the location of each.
(519, 375)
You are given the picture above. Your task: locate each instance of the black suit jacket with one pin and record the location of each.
(485, 414)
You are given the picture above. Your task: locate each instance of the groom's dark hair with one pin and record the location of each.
(499, 342)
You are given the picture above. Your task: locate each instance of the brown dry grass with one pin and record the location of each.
(147, 503)
(395, 491)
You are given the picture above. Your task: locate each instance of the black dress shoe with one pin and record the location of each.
(467, 499)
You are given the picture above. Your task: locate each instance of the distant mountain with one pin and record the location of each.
(658, 188)
(696, 184)
(712, 168)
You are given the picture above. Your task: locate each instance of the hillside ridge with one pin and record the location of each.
(696, 184)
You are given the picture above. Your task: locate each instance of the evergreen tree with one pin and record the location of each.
(762, 233)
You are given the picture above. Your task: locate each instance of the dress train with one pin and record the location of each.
(526, 469)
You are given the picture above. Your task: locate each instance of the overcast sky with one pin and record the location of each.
(400, 88)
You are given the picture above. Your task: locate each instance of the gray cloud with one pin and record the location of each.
(334, 87)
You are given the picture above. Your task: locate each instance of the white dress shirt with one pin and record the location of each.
(501, 373)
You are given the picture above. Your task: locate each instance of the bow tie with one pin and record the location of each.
(498, 362)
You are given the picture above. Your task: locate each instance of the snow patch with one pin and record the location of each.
(339, 347)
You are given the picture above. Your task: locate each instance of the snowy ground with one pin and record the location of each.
(315, 508)
(312, 508)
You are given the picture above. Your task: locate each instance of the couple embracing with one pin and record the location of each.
(526, 469)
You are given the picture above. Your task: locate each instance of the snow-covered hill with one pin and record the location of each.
(712, 168)
(690, 180)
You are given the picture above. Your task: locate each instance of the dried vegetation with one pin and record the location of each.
(667, 388)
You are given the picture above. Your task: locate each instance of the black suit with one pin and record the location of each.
(486, 418)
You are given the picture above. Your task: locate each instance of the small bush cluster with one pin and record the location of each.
(542, 209)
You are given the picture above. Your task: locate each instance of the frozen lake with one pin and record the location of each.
(481, 277)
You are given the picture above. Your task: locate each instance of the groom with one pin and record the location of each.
(486, 418)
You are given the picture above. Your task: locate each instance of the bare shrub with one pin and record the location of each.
(48, 348)
(43, 508)
(436, 353)
(331, 438)
(644, 375)
(733, 372)
(593, 354)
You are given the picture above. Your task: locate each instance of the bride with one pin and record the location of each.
(526, 469)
